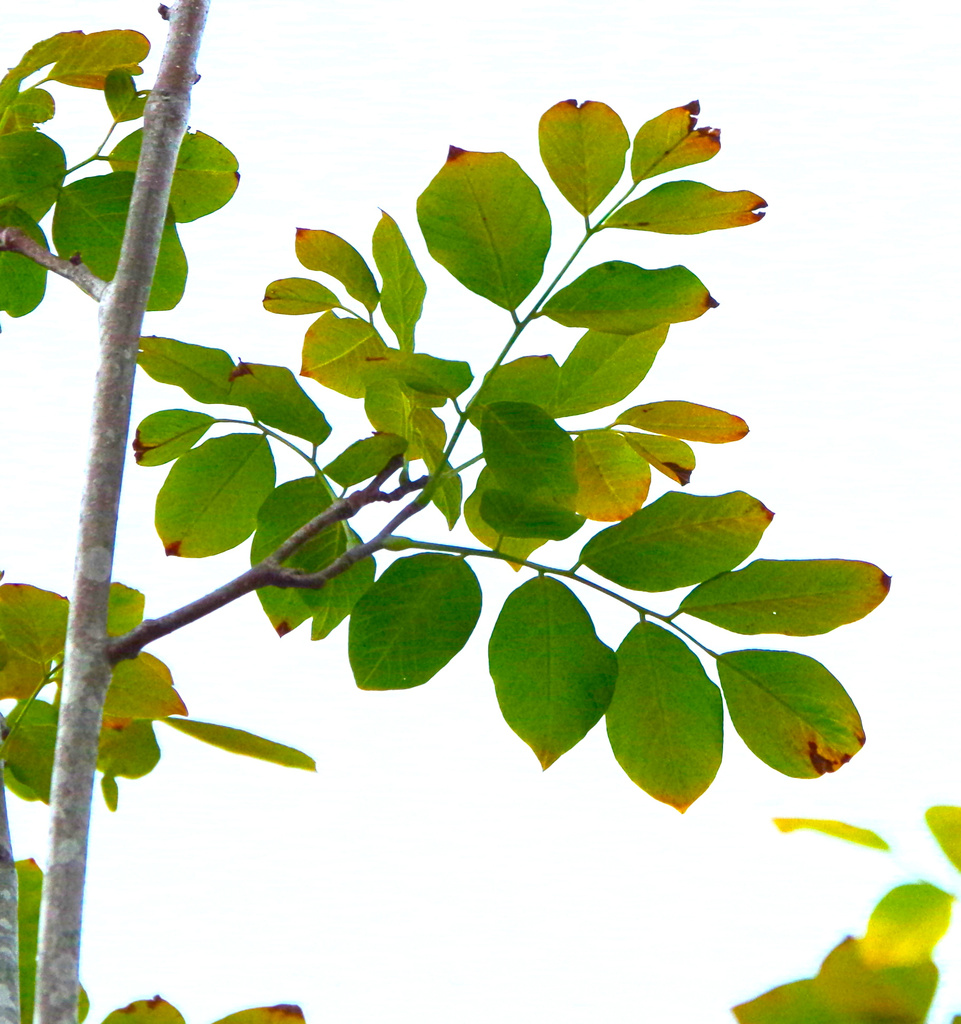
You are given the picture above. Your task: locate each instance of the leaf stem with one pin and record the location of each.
(281, 439)
(13, 723)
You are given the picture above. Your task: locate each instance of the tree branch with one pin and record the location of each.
(14, 240)
(87, 669)
(271, 573)
(9, 924)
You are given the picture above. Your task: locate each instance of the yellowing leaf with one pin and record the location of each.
(283, 1013)
(669, 456)
(685, 420)
(515, 547)
(687, 208)
(296, 295)
(612, 479)
(670, 141)
(32, 621)
(906, 926)
(142, 687)
(330, 254)
(945, 825)
(146, 1011)
(838, 829)
(85, 60)
(237, 741)
(337, 350)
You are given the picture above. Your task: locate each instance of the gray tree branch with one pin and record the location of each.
(14, 240)
(9, 924)
(87, 668)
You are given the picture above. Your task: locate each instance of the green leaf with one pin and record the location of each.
(166, 435)
(514, 547)
(330, 254)
(32, 167)
(205, 177)
(412, 621)
(20, 675)
(337, 351)
(687, 208)
(392, 409)
(29, 897)
(336, 599)
(89, 221)
(838, 829)
(945, 825)
(484, 221)
(282, 1014)
(142, 687)
(554, 678)
(29, 758)
(665, 722)
(526, 450)
(678, 540)
(687, 420)
(432, 380)
(906, 926)
(274, 397)
(583, 149)
(22, 282)
(531, 379)
(297, 295)
(365, 459)
(403, 291)
(622, 298)
(146, 1011)
(85, 60)
(528, 514)
(29, 108)
(128, 748)
(671, 457)
(449, 495)
(670, 141)
(604, 369)
(123, 99)
(125, 609)
(790, 711)
(793, 598)
(237, 741)
(612, 479)
(209, 501)
(204, 373)
(33, 622)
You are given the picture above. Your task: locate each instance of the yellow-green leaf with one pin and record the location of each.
(204, 373)
(123, 100)
(85, 60)
(284, 1013)
(838, 829)
(403, 291)
(669, 456)
(22, 282)
(945, 825)
(687, 208)
(365, 458)
(337, 351)
(328, 253)
(514, 547)
(33, 622)
(297, 295)
(146, 1011)
(906, 926)
(612, 479)
(273, 396)
(32, 167)
(142, 687)
(164, 436)
(685, 420)
(670, 141)
(237, 741)
(125, 609)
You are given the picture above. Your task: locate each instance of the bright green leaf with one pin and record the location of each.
(554, 678)
(449, 495)
(336, 599)
(330, 254)
(526, 450)
(209, 501)
(665, 722)
(204, 373)
(32, 166)
(273, 396)
(669, 456)
(528, 514)
(790, 711)
(32, 621)
(365, 459)
(906, 926)
(687, 208)
(678, 540)
(123, 100)
(337, 350)
(146, 1011)
(297, 295)
(838, 829)
(670, 141)
(166, 435)
(142, 687)
(687, 420)
(945, 825)
(22, 282)
(612, 479)
(484, 221)
(125, 609)
(793, 598)
(403, 291)
(412, 621)
(237, 741)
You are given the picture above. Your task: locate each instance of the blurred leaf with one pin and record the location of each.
(526, 450)
(85, 60)
(166, 435)
(678, 540)
(89, 221)
(554, 678)
(528, 514)
(612, 479)
(29, 108)
(123, 100)
(211, 496)
(22, 282)
(282, 1014)
(142, 687)
(128, 748)
(665, 722)
(273, 396)
(336, 599)
(32, 167)
(790, 711)
(204, 373)
(515, 547)
(237, 741)
(838, 829)
(687, 208)
(622, 298)
(670, 141)
(687, 420)
(125, 609)
(365, 459)
(296, 295)
(330, 254)
(337, 350)
(29, 758)
(669, 456)
(794, 598)
(110, 791)
(412, 621)
(484, 221)
(33, 622)
(146, 1011)
(906, 926)
(205, 177)
(945, 825)
(583, 149)
(402, 295)
(29, 896)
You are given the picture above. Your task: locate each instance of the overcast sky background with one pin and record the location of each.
(430, 870)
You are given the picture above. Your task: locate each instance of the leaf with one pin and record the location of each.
(678, 540)
(330, 254)
(336, 599)
(391, 408)
(583, 149)
(166, 435)
(32, 167)
(365, 459)
(89, 221)
(125, 609)
(209, 501)
(687, 208)
(612, 479)
(85, 60)
(142, 687)
(412, 621)
(204, 373)
(29, 758)
(297, 295)
(838, 829)
(28, 108)
(945, 825)
(450, 493)
(29, 897)
(146, 1011)
(123, 100)
(793, 598)
(205, 177)
(273, 396)
(282, 1014)
(528, 514)
(432, 380)
(554, 678)
(22, 282)
(20, 675)
(128, 748)
(906, 926)
(484, 221)
(336, 351)
(237, 741)
(526, 450)
(670, 141)
(686, 420)
(665, 722)
(33, 622)
(604, 369)
(531, 379)
(790, 711)
(622, 298)
(514, 547)
(671, 457)
(403, 291)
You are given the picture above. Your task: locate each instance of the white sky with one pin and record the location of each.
(430, 871)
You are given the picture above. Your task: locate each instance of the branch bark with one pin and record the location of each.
(14, 240)
(87, 668)
(9, 923)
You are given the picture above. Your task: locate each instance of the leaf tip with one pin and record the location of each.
(454, 153)
(694, 107)
(712, 303)
(287, 1010)
(282, 628)
(242, 369)
(173, 548)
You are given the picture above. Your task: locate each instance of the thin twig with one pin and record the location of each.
(14, 240)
